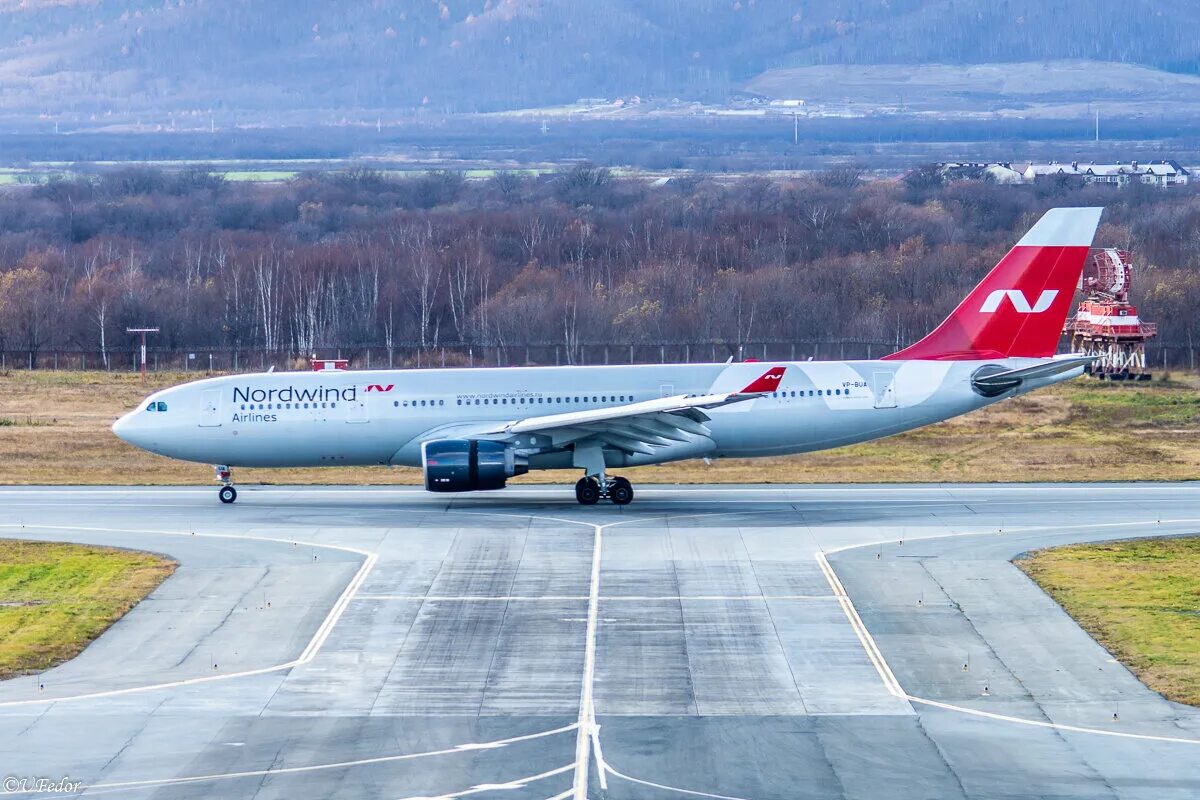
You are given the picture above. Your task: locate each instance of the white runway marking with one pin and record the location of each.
(893, 686)
(519, 783)
(587, 711)
(620, 598)
(652, 784)
(109, 788)
(309, 652)
(864, 636)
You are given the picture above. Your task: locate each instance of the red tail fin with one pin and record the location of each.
(1020, 307)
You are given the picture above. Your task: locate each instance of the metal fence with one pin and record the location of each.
(1159, 356)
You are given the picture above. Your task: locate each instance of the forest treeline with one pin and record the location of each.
(361, 259)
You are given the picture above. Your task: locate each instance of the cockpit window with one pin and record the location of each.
(152, 407)
(161, 405)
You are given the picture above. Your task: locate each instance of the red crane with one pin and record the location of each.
(1106, 324)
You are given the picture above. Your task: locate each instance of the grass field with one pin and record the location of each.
(56, 598)
(54, 429)
(1141, 600)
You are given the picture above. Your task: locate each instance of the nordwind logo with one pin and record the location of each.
(1019, 301)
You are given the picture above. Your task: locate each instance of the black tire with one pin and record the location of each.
(621, 492)
(587, 491)
(227, 494)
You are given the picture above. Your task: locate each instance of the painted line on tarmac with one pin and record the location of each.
(665, 787)
(893, 685)
(307, 655)
(860, 630)
(109, 788)
(650, 489)
(620, 598)
(1053, 725)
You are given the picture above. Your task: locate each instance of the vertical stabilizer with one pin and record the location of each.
(1020, 307)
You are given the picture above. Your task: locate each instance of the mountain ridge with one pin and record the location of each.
(486, 55)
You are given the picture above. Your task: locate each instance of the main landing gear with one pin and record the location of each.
(590, 489)
(227, 493)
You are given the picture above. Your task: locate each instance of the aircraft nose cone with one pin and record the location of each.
(124, 429)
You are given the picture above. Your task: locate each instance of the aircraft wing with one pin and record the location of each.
(639, 427)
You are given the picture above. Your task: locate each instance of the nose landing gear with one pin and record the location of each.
(226, 493)
(592, 488)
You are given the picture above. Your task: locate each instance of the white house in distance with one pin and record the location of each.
(1154, 173)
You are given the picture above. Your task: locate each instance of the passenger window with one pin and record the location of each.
(441, 402)
(395, 404)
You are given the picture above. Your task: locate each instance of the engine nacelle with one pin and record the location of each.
(467, 465)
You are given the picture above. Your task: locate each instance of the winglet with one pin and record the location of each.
(767, 382)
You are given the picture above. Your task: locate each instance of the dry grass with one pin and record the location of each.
(54, 429)
(1141, 600)
(56, 598)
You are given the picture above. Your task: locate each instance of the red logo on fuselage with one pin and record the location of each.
(375, 387)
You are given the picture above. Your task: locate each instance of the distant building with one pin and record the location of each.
(979, 171)
(1154, 173)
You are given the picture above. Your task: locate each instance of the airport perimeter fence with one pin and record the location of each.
(1159, 356)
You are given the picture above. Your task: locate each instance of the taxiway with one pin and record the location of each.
(756, 643)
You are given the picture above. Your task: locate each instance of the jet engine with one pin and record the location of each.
(467, 465)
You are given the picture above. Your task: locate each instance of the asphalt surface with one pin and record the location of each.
(722, 642)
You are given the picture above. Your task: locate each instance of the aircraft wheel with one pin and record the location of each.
(227, 494)
(621, 492)
(587, 491)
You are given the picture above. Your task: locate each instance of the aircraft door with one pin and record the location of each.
(883, 385)
(210, 408)
(666, 390)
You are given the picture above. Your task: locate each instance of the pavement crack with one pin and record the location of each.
(35, 721)
(687, 655)
(487, 678)
(774, 626)
(1028, 694)
(412, 623)
(132, 737)
(200, 640)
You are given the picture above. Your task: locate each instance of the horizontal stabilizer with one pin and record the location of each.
(991, 383)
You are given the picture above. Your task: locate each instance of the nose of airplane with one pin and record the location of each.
(123, 428)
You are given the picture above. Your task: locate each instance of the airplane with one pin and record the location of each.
(473, 429)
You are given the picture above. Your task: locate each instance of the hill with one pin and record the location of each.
(115, 57)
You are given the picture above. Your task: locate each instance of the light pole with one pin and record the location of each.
(143, 332)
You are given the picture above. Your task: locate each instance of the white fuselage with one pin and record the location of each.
(339, 418)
